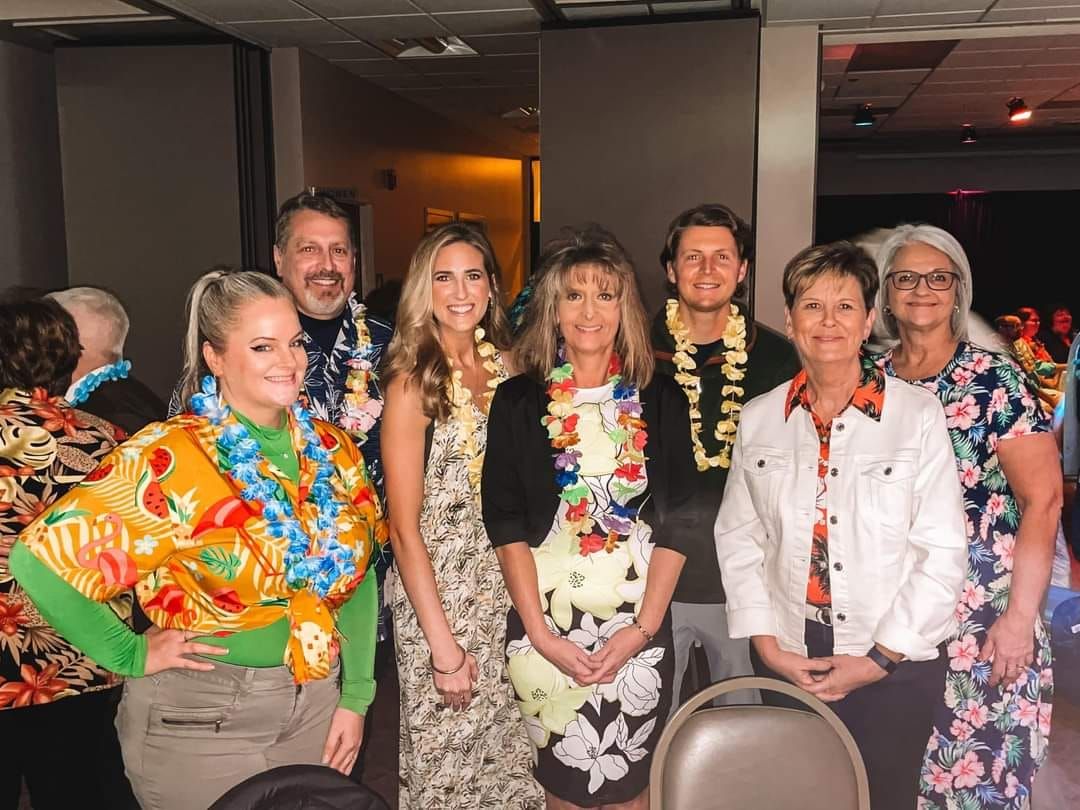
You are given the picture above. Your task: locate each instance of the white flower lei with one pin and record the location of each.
(734, 370)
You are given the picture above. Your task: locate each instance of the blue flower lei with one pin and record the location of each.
(317, 572)
(95, 379)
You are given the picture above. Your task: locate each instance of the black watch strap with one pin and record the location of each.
(882, 660)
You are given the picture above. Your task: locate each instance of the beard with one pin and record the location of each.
(323, 302)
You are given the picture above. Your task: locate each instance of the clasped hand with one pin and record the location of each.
(831, 678)
(601, 666)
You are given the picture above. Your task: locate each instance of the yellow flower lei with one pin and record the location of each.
(734, 370)
(461, 405)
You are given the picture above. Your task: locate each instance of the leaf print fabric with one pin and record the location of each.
(988, 742)
(46, 447)
(593, 745)
(477, 758)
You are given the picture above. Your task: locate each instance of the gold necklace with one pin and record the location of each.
(461, 406)
(733, 369)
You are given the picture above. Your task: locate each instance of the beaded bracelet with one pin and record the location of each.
(455, 670)
(644, 632)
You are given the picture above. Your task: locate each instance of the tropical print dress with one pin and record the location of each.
(46, 447)
(988, 742)
(594, 744)
(479, 757)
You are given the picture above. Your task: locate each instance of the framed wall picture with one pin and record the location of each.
(436, 217)
(479, 220)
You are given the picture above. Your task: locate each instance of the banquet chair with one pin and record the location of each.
(757, 756)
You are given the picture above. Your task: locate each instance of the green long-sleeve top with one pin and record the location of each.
(98, 631)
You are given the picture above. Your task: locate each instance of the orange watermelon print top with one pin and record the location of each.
(160, 515)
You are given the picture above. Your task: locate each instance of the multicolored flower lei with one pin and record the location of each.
(629, 437)
(81, 391)
(461, 410)
(317, 572)
(734, 370)
(359, 409)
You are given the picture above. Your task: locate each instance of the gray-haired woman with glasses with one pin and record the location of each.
(991, 728)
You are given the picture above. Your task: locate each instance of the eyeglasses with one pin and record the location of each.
(936, 280)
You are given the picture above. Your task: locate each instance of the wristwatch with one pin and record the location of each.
(882, 660)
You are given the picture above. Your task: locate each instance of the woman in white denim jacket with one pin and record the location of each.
(841, 534)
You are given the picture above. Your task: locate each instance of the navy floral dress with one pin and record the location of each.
(988, 742)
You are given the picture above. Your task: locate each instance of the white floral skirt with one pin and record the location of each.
(592, 745)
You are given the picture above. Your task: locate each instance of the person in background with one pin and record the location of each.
(1043, 375)
(56, 709)
(103, 383)
(722, 359)
(462, 743)
(1030, 320)
(1058, 338)
(992, 721)
(246, 527)
(1067, 418)
(588, 495)
(841, 533)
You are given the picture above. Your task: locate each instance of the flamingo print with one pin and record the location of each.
(114, 564)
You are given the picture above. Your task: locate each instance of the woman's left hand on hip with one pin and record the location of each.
(343, 740)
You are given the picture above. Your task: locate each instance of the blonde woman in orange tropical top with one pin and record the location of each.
(245, 528)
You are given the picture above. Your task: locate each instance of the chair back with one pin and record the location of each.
(736, 757)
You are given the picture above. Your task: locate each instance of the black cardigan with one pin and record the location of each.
(518, 489)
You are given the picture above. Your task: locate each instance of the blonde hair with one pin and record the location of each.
(212, 306)
(578, 249)
(415, 350)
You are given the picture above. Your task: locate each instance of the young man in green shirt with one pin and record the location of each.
(722, 359)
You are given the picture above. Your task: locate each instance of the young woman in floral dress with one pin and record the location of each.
(992, 727)
(462, 743)
(586, 488)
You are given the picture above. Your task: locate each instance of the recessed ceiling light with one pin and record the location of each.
(426, 48)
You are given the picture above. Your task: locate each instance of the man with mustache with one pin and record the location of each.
(721, 358)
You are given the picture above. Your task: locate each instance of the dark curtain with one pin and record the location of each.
(1020, 244)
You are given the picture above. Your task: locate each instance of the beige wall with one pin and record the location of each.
(353, 129)
(148, 144)
(31, 197)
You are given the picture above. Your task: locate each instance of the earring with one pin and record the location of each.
(887, 310)
(956, 308)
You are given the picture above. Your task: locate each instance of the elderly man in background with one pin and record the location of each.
(102, 383)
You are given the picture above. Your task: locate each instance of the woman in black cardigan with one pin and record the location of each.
(587, 484)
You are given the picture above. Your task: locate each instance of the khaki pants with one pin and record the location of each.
(187, 737)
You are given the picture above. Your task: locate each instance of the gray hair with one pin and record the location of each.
(212, 306)
(904, 235)
(104, 305)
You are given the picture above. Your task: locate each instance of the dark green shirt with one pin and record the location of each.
(771, 360)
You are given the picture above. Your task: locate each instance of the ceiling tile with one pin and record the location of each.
(857, 90)
(291, 32)
(970, 59)
(248, 10)
(375, 67)
(491, 22)
(910, 20)
(401, 26)
(833, 67)
(928, 6)
(814, 10)
(605, 12)
(1056, 56)
(402, 82)
(1044, 14)
(1005, 44)
(435, 6)
(1034, 3)
(346, 50)
(915, 75)
(954, 74)
(57, 9)
(359, 8)
(505, 43)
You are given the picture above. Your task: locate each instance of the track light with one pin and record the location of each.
(864, 116)
(1018, 110)
(967, 134)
